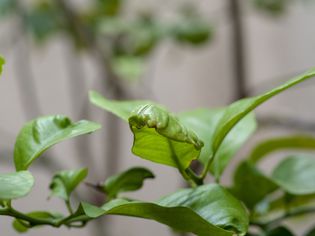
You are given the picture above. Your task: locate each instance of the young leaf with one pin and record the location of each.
(295, 174)
(303, 142)
(160, 137)
(205, 211)
(238, 110)
(2, 62)
(126, 181)
(64, 182)
(250, 185)
(204, 122)
(15, 185)
(40, 134)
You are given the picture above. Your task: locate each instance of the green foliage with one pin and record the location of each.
(293, 175)
(15, 185)
(40, 134)
(185, 212)
(275, 7)
(204, 122)
(245, 185)
(2, 62)
(64, 182)
(129, 180)
(210, 136)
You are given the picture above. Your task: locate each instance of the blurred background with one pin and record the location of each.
(180, 53)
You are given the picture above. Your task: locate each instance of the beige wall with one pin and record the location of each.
(182, 78)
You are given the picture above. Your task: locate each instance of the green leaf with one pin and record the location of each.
(22, 227)
(302, 142)
(311, 232)
(204, 122)
(43, 20)
(122, 109)
(193, 31)
(279, 231)
(2, 62)
(274, 7)
(126, 181)
(15, 185)
(205, 211)
(295, 175)
(7, 6)
(40, 134)
(250, 185)
(238, 110)
(130, 68)
(64, 182)
(272, 207)
(160, 137)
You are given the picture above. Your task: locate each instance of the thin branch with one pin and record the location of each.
(239, 59)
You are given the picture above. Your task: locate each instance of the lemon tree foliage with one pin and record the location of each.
(211, 137)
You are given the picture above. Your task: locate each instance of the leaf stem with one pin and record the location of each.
(207, 168)
(68, 204)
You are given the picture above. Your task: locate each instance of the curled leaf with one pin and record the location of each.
(160, 137)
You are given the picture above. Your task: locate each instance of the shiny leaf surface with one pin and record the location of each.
(15, 185)
(40, 134)
(205, 211)
(295, 174)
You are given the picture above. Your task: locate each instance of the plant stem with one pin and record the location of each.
(68, 204)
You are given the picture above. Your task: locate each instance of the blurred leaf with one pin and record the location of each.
(250, 185)
(6, 6)
(160, 137)
(279, 231)
(238, 110)
(193, 31)
(311, 232)
(204, 122)
(302, 142)
(126, 181)
(275, 7)
(271, 206)
(15, 185)
(295, 174)
(109, 7)
(128, 67)
(43, 20)
(22, 227)
(40, 134)
(64, 182)
(2, 62)
(206, 210)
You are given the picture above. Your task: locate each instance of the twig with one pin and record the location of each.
(239, 59)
